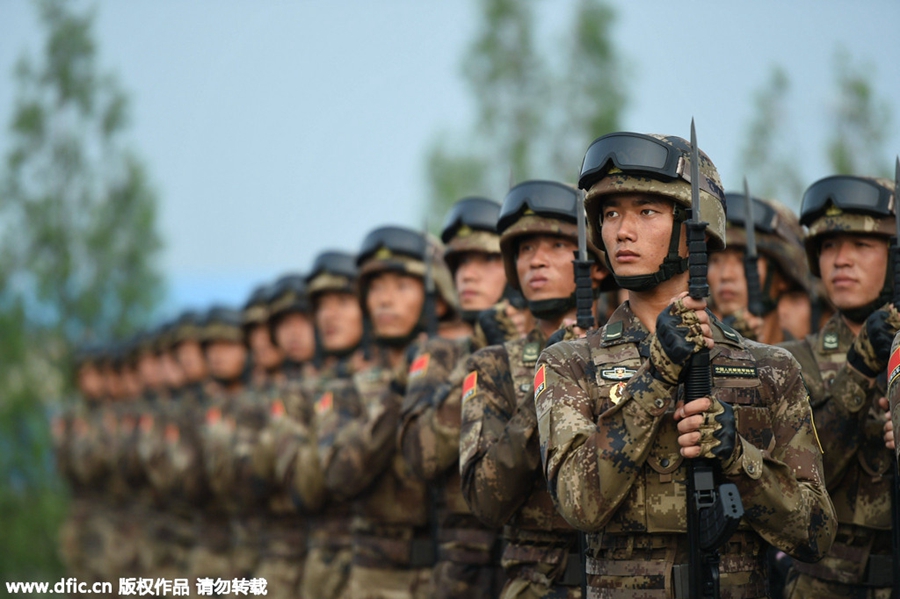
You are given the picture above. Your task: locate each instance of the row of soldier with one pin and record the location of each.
(425, 419)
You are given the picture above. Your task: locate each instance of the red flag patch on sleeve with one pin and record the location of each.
(172, 433)
(324, 402)
(540, 382)
(419, 366)
(894, 365)
(470, 385)
(277, 409)
(213, 416)
(146, 423)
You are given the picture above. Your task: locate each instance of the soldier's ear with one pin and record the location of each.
(598, 274)
(440, 307)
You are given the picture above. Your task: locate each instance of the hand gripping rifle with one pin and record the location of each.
(895, 489)
(584, 292)
(713, 513)
(751, 272)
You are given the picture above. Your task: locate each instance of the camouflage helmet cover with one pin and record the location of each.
(615, 181)
(470, 226)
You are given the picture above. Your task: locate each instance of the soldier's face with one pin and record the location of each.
(339, 320)
(480, 280)
(226, 359)
(149, 370)
(636, 230)
(544, 265)
(853, 268)
(265, 354)
(395, 303)
(131, 382)
(727, 281)
(296, 337)
(90, 381)
(190, 357)
(172, 373)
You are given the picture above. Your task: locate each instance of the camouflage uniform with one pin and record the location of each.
(500, 470)
(612, 461)
(858, 468)
(429, 439)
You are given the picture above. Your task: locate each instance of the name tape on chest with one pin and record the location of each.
(743, 372)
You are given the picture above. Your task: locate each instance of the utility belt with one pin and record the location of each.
(656, 566)
(474, 546)
(528, 550)
(393, 547)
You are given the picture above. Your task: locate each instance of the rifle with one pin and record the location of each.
(895, 489)
(584, 292)
(751, 272)
(713, 513)
(429, 307)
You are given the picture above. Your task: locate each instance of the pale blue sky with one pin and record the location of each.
(273, 130)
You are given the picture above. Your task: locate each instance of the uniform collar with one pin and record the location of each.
(623, 327)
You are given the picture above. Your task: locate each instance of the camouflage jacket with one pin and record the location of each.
(858, 469)
(611, 457)
(390, 504)
(500, 461)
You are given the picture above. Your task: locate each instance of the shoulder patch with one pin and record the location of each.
(619, 373)
(613, 331)
(324, 403)
(470, 385)
(531, 352)
(894, 366)
(830, 341)
(540, 381)
(744, 372)
(419, 366)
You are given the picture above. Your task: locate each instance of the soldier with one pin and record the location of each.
(781, 263)
(850, 222)
(614, 430)
(291, 327)
(468, 550)
(499, 458)
(266, 356)
(227, 362)
(187, 339)
(392, 548)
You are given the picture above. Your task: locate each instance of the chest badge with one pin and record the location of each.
(619, 373)
(616, 392)
(830, 341)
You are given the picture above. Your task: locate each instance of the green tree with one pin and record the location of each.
(78, 247)
(770, 165)
(860, 122)
(538, 105)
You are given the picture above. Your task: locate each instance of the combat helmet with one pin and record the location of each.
(628, 162)
(404, 251)
(849, 204)
(255, 311)
(222, 324)
(539, 208)
(778, 239)
(332, 271)
(470, 226)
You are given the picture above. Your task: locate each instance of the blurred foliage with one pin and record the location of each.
(538, 105)
(859, 123)
(78, 248)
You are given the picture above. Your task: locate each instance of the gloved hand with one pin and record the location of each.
(872, 347)
(679, 335)
(706, 429)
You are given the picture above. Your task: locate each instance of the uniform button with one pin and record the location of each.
(659, 403)
(664, 462)
(751, 468)
(524, 387)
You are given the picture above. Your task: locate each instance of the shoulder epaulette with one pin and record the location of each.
(613, 330)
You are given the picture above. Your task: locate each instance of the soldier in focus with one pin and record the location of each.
(614, 429)
(850, 221)
(499, 456)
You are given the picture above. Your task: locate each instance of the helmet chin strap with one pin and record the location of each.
(555, 308)
(672, 265)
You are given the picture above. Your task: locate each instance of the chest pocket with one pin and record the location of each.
(613, 368)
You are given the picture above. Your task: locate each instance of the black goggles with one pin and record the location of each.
(853, 194)
(396, 239)
(544, 198)
(642, 155)
(476, 213)
(765, 218)
(336, 263)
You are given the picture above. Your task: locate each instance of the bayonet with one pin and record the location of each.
(429, 309)
(751, 271)
(584, 293)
